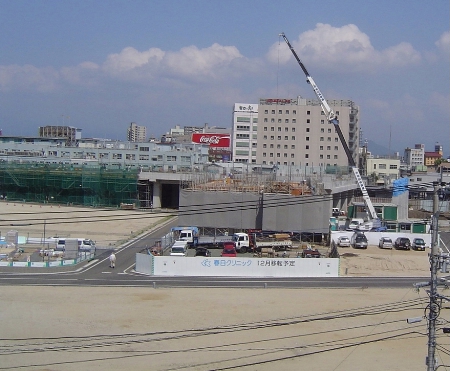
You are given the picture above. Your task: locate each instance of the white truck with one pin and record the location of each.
(191, 235)
(179, 248)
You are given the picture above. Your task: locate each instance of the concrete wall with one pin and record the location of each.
(236, 267)
(280, 212)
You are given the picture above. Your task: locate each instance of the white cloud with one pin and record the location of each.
(130, 58)
(347, 46)
(27, 77)
(443, 43)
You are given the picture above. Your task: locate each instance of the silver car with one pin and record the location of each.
(385, 243)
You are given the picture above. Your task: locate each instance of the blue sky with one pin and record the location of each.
(99, 65)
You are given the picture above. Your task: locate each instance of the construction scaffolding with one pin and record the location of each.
(86, 185)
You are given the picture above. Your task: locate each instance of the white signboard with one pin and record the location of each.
(237, 267)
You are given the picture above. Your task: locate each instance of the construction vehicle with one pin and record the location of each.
(374, 221)
(194, 239)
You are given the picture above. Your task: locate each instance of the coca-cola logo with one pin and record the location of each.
(210, 140)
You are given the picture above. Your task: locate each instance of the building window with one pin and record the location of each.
(322, 130)
(328, 157)
(336, 148)
(272, 137)
(286, 129)
(279, 121)
(335, 157)
(293, 130)
(272, 128)
(278, 155)
(280, 111)
(271, 145)
(287, 112)
(307, 130)
(265, 119)
(266, 111)
(308, 112)
(382, 166)
(264, 154)
(285, 155)
(278, 146)
(337, 113)
(265, 128)
(293, 137)
(279, 137)
(264, 145)
(329, 130)
(329, 139)
(321, 139)
(286, 121)
(270, 154)
(307, 139)
(285, 146)
(308, 121)
(293, 146)
(292, 155)
(286, 137)
(273, 112)
(294, 121)
(322, 122)
(336, 139)
(272, 120)
(328, 148)
(394, 167)
(294, 112)
(321, 148)
(265, 137)
(307, 147)
(306, 155)
(279, 128)
(321, 157)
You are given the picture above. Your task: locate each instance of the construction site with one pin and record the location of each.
(86, 185)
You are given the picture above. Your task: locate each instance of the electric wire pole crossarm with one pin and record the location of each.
(332, 118)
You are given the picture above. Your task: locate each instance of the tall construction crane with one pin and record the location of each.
(332, 118)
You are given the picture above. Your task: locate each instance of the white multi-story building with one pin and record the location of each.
(296, 132)
(136, 133)
(244, 132)
(415, 157)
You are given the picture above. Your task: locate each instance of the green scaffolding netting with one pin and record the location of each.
(87, 185)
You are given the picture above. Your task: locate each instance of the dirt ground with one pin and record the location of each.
(115, 328)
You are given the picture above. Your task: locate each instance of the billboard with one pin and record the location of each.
(214, 140)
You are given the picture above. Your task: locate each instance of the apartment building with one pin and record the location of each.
(244, 132)
(136, 133)
(296, 132)
(415, 157)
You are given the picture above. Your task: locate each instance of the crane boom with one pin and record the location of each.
(332, 118)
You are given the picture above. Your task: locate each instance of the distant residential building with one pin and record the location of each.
(136, 133)
(415, 157)
(383, 169)
(69, 133)
(431, 157)
(296, 132)
(244, 132)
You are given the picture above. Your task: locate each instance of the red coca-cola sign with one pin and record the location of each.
(214, 140)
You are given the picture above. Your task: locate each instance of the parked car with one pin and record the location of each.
(343, 241)
(310, 252)
(402, 243)
(359, 241)
(418, 244)
(228, 252)
(202, 251)
(385, 243)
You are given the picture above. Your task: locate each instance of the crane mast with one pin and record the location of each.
(332, 118)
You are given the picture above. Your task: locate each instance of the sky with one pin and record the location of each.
(99, 65)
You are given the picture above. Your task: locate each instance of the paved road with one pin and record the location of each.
(98, 273)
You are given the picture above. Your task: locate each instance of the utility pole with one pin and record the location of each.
(433, 308)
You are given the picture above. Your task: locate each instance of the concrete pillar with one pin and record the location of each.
(156, 201)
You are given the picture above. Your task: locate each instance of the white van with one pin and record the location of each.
(179, 248)
(84, 244)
